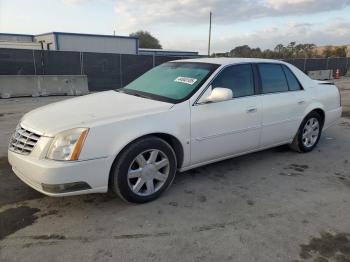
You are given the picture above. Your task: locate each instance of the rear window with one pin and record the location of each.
(273, 79)
(293, 82)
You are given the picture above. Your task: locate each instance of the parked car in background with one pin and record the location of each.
(178, 116)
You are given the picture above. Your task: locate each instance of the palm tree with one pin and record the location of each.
(279, 48)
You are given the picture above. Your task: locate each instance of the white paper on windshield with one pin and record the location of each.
(186, 80)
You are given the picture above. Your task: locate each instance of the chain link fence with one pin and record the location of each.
(313, 64)
(104, 71)
(111, 71)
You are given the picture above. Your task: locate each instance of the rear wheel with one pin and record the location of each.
(144, 170)
(308, 134)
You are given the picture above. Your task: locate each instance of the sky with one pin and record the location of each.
(183, 24)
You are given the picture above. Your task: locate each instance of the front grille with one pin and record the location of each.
(23, 141)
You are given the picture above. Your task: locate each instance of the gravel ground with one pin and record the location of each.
(274, 205)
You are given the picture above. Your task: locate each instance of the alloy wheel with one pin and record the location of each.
(311, 132)
(148, 172)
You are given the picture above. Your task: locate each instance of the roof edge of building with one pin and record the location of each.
(84, 34)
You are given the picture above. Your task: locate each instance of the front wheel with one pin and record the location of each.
(144, 170)
(308, 134)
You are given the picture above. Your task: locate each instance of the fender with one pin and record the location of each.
(113, 137)
(312, 106)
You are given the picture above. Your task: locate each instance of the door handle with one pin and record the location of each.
(301, 102)
(252, 110)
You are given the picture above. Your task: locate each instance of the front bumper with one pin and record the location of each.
(46, 176)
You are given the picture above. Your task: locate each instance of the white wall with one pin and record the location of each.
(20, 45)
(15, 38)
(98, 44)
(49, 38)
(74, 42)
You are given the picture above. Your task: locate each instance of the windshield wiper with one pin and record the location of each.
(143, 96)
(125, 91)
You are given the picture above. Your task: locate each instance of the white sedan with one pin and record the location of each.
(177, 116)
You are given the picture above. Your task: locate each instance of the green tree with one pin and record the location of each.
(327, 52)
(256, 52)
(309, 50)
(245, 51)
(279, 49)
(299, 50)
(339, 51)
(241, 51)
(270, 54)
(304, 50)
(146, 40)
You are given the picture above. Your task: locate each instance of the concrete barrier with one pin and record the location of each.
(42, 85)
(347, 74)
(321, 74)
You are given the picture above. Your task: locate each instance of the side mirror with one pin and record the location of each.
(220, 94)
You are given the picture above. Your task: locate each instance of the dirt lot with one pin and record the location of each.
(275, 205)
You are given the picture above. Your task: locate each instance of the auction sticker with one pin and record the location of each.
(186, 80)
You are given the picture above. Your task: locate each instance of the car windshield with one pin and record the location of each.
(171, 82)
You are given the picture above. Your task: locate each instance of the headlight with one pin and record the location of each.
(67, 144)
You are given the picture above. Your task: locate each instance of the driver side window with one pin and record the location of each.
(238, 78)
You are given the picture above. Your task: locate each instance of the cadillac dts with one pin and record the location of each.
(177, 116)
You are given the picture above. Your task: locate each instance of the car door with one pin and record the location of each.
(229, 127)
(283, 104)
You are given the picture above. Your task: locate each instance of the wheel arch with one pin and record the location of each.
(321, 113)
(319, 110)
(295, 143)
(317, 107)
(174, 143)
(170, 139)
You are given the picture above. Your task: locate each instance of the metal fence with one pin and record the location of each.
(312, 64)
(104, 71)
(111, 71)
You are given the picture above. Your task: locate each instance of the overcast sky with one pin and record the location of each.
(183, 24)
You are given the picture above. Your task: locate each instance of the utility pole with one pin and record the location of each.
(210, 14)
(1, 15)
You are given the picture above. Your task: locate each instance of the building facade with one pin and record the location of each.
(61, 41)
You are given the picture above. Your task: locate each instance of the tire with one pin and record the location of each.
(307, 137)
(144, 170)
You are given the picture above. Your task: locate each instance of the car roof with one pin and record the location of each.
(229, 60)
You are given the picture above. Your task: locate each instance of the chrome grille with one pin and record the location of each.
(23, 141)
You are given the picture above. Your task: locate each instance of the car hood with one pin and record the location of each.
(86, 110)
